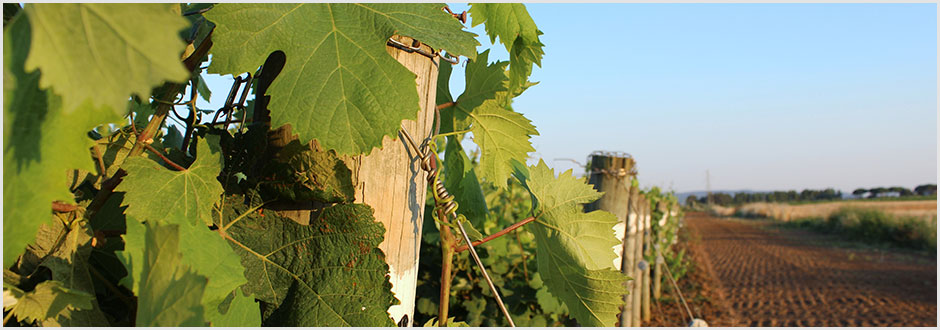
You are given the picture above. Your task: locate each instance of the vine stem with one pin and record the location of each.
(60, 206)
(446, 105)
(167, 160)
(500, 233)
(7, 318)
(452, 133)
(107, 187)
(447, 262)
(145, 136)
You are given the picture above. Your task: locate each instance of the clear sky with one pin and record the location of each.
(763, 96)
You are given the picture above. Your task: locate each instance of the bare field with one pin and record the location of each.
(761, 276)
(926, 210)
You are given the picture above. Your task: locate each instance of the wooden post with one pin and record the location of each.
(392, 182)
(611, 173)
(643, 204)
(647, 251)
(628, 266)
(657, 254)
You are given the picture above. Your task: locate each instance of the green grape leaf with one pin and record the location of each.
(169, 294)
(523, 55)
(173, 138)
(105, 52)
(65, 250)
(472, 233)
(113, 150)
(303, 172)
(330, 273)
(156, 194)
(446, 115)
(40, 144)
(153, 192)
(548, 303)
(133, 254)
(443, 83)
(575, 249)
(203, 89)
(239, 311)
(516, 31)
(68, 262)
(483, 82)
(501, 134)
(48, 299)
(339, 85)
(504, 20)
(461, 181)
(209, 255)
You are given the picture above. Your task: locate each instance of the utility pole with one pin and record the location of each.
(708, 187)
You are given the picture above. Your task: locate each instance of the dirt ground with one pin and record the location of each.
(752, 274)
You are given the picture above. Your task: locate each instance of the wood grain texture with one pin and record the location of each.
(612, 176)
(391, 180)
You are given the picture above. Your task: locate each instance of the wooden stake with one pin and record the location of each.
(647, 251)
(657, 255)
(643, 206)
(391, 181)
(612, 175)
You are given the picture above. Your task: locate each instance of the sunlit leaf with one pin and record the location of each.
(339, 85)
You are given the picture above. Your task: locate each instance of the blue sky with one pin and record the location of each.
(763, 96)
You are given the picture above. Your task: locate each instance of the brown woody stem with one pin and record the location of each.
(500, 233)
(447, 262)
(167, 160)
(446, 105)
(60, 206)
(163, 109)
(107, 188)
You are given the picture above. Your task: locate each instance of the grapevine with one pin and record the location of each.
(158, 224)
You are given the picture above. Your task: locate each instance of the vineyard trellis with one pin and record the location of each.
(278, 214)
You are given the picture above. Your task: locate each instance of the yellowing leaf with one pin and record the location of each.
(339, 85)
(105, 52)
(574, 250)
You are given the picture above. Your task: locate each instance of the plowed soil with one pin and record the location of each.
(766, 276)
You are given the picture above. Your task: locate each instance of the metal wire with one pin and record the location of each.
(676, 286)
(476, 258)
(449, 209)
(416, 48)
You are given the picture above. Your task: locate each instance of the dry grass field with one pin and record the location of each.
(926, 210)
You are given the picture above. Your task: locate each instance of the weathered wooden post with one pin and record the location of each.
(643, 204)
(657, 252)
(647, 252)
(611, 173)
(628, 261)
(391, 181)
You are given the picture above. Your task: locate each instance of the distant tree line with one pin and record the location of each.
(808, 195)
(921, 190)
(725, 199)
